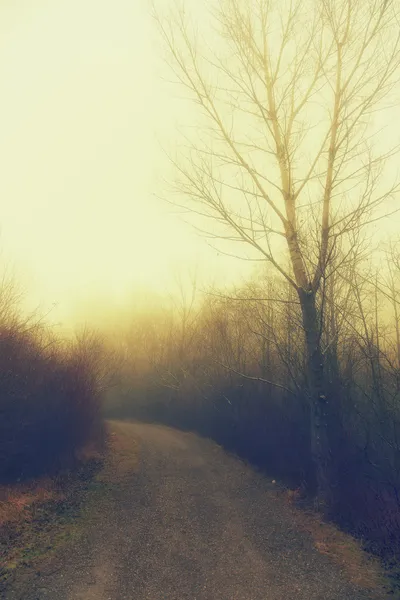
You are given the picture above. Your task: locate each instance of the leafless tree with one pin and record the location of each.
(392, 291)
(285, 151)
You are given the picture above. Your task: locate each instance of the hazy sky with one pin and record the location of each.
(83, 110)
(82, 113)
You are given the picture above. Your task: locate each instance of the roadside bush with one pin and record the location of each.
(49, 400)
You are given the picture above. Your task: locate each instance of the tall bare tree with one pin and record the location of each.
(285, 149)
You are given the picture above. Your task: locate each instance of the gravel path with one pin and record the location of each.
(195, 524)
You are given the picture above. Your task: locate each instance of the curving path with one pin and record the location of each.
(194, 523)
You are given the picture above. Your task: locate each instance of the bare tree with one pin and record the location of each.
(286, 150)
(185, 303)
(392, 284)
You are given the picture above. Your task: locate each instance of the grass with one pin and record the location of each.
(360, 566)
(39, 517)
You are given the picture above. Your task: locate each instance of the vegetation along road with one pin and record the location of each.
(174, 517)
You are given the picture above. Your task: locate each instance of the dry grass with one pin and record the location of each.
(16, 501)
(37, 517)
(361, 568)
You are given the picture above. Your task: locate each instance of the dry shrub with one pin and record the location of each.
(49, 400)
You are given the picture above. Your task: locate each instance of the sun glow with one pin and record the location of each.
(82, 113)
(85, 114)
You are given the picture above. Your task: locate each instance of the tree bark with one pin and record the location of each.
(317, 396)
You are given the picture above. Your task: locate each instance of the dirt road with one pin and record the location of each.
(191, 523)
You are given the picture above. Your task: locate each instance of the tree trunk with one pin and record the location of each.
(317, 397)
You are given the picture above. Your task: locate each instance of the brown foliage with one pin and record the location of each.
(49, 400)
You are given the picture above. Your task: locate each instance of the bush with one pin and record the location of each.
(49, 400)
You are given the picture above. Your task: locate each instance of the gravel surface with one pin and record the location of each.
(194, 523)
